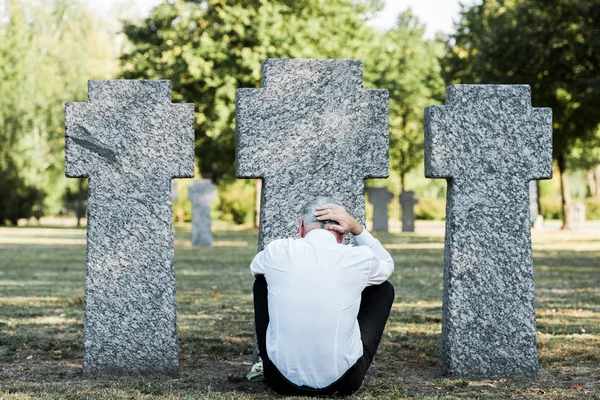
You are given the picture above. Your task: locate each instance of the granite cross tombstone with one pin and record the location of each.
(380, 198)
(174, 191)
(536, 219)
(130, 141)
(310, 130)
(578, 214)
(201, 193)
(488, 142)
(407, 202)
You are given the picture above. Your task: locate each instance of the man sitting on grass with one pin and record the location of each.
(321, 306)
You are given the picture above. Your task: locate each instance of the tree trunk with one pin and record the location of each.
(257, 198)
(597, 175)
(539, 197)
(79, 211)
(591, 183)
(565, 193)
(402, 182)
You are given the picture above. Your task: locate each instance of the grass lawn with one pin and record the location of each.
(42, 274)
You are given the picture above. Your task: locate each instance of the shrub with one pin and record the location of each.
(17, 199)
(236, 202)
(551, 208)
(592, 208)
(431, 209)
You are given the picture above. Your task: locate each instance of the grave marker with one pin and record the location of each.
(174, 191)
(130, 141)
(408, 202)
(310, 130)
(488, 142)
(578, 213)
(380, 199)
(201, 193)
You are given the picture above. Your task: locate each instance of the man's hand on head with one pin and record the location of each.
(336, 213)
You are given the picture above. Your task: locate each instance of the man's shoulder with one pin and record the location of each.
(357, 249)
(278, 243)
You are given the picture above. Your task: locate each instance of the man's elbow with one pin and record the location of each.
(389, 269)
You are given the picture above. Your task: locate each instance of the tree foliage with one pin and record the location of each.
(408, 66)
(210, 48)
(48, 51)
(552, 45)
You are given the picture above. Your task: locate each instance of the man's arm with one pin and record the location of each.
(382, 262)
(259, 264)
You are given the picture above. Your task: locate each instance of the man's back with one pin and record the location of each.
(315, 287)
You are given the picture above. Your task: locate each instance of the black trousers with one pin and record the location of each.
(375, 306)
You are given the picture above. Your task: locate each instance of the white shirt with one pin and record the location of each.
(315, 287)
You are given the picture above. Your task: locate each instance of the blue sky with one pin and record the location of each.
(437, 14)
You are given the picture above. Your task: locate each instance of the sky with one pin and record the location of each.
(438, 15)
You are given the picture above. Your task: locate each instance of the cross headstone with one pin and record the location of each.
(488, 142)
(578, 213)
(408, 202)
(174, 191)
(380, 199)
(537, 220)
(130, 141)
(310, 130)
(201, 193)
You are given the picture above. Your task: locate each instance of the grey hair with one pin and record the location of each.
(307, 214)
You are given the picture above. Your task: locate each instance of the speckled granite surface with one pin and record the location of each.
(201, 193)
(129, 140)
(310, 130)
(488, 142)
(380, 198)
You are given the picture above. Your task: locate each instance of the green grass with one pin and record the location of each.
(42, 274)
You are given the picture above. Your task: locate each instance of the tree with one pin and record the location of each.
(585, 156)
(408, 66)
(209, 48)
(48, 51)
(552, 45)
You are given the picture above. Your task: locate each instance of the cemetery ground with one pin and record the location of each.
(41, 321)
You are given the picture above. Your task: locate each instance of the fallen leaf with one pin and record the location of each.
(217, 294)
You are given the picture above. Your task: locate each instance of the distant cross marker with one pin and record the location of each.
(129, 140)
(488, 142)
(380, 198)
(310, 130)
(201, 193)
(408, 202)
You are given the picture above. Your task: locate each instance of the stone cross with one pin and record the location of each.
(536, 219)
(488, 142)
(310, 130)
(174, 191)
(408, 202)
(578, 213)
(130, 141)
(201, 193)
(380, 199)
